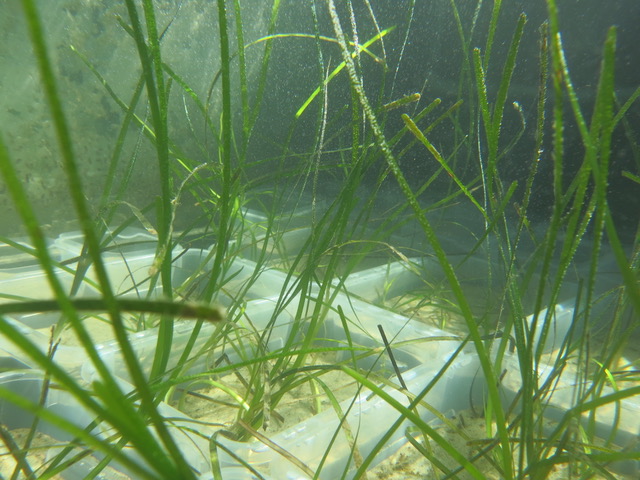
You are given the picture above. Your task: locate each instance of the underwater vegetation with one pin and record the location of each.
(324, 239)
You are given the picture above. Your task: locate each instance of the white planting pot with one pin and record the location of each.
(420, 359)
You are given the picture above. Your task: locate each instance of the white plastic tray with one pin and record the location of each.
(419, 349)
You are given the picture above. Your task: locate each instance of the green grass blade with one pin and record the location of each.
(410, 415)
(338, 69)
(493, 25)
(157, 98)
(433, 241)
(76, 191)
(262, 79)
(157, 306)
(413, 128)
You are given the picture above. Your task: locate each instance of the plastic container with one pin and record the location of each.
(28, 385)
(242, 278)
(619, 422)
(12, 257)
(370, 417)
(22, 277)
(255, 318)
(130, 240)
(288, 233)
(280, 246)
(71, 358)
(419, 362)
(385, 281)
(128, 259)
(560, 323)
(420, 352)
(128, 270)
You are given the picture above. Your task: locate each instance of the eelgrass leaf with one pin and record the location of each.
(339, 68)
(413, 128)
(493, 25)
(430, 235)
(505, 82)
(631, 176)
(17, 452)
(62, 302)
(278, 449)
(626, 106)
(75, 185)
(151, 61)
(242, 70)
(264, 65)
(215, 458)
(157, 306)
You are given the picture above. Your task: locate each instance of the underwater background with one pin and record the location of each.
(243, 224)
(423, 55)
